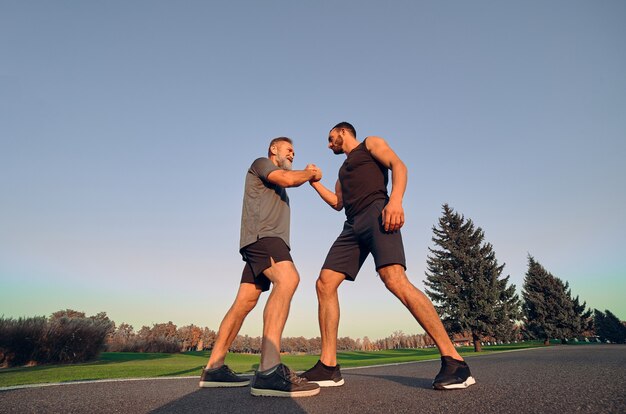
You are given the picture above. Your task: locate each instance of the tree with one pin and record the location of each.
(67, 313)
(124, 339)
(190, 337)
(608, 327)
(163, 331)
(207, 339)
(548, 308)
(464, 281)
(582, 318)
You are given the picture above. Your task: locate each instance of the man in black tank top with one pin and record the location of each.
(373, 221)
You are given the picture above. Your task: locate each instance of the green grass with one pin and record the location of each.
(112, 365)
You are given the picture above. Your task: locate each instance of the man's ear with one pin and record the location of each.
(274, 149)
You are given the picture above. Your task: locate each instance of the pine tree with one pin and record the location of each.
(548, 307)
(463, 281)
(608, 327)
(582, 320)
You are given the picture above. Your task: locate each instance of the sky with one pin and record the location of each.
(127, 128)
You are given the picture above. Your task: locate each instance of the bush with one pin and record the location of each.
(70, 340)
(60, 340)
(19, 339)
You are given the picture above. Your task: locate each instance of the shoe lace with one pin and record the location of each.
(291, 376)
(230, 371)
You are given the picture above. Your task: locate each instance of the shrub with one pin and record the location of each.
(61, 339)
(19, 339)
(69, 340)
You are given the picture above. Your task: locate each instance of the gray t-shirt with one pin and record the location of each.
(265, 211)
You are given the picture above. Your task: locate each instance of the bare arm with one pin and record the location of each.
(332, 199)
(285, 178)
(393, 213)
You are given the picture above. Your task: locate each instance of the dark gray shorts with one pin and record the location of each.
(360, 237)
(257, 257)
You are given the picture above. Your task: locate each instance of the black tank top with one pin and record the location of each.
(363, 180)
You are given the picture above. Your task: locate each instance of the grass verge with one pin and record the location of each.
(114, 365)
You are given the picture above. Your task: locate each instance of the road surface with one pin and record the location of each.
(558, 379)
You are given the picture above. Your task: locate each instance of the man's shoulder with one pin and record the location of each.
(373, 142)
(261, 167)
(261, 161)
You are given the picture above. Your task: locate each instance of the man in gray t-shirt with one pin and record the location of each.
(265, 211)
(264, 246)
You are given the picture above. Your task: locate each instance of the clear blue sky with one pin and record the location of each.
(126, 129)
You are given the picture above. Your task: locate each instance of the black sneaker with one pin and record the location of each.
(221, 377)
(280, 381)
(323, 375)
(454, 375)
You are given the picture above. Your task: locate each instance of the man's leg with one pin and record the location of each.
(422, 309)
(328, 313)
(246, 299)
(273, 378)
(285, 279)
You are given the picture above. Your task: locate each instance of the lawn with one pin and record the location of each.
(112, 365)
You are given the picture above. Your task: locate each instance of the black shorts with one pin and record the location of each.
(361, 236)
(258, 257)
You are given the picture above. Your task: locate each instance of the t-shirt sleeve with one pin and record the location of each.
(261, 167)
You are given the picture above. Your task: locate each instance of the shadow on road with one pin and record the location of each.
(229, 400)
(413, 382)
(194, 370)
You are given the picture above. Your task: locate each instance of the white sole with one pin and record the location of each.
(260, 392)
(210, 384)
(329, 383)
(469, 381)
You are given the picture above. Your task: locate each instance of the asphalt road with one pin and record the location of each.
(560, 379)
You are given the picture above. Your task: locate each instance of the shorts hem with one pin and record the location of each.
(390, 264)
(346, 276)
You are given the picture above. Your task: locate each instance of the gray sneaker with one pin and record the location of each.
(221, 377)
(280, 381)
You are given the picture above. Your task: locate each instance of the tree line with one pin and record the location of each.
(69, 336)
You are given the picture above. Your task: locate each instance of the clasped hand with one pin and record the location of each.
(318, 172)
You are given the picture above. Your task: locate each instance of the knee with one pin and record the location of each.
(289, 281)
(245, 303)
(394, 278)
(321, 287)
(248, 305)
(325, 287)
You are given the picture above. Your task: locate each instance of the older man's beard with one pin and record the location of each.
(284, 163)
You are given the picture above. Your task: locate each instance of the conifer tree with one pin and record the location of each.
(608, 327)
(548, 308)
(582, 320)
(464, 281)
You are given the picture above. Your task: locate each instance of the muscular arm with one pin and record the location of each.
(285, 178)
(393, 213)
(332, 199)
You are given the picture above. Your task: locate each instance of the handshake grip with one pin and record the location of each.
(316, 170)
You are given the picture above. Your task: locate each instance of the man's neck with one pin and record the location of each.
(350, 146)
